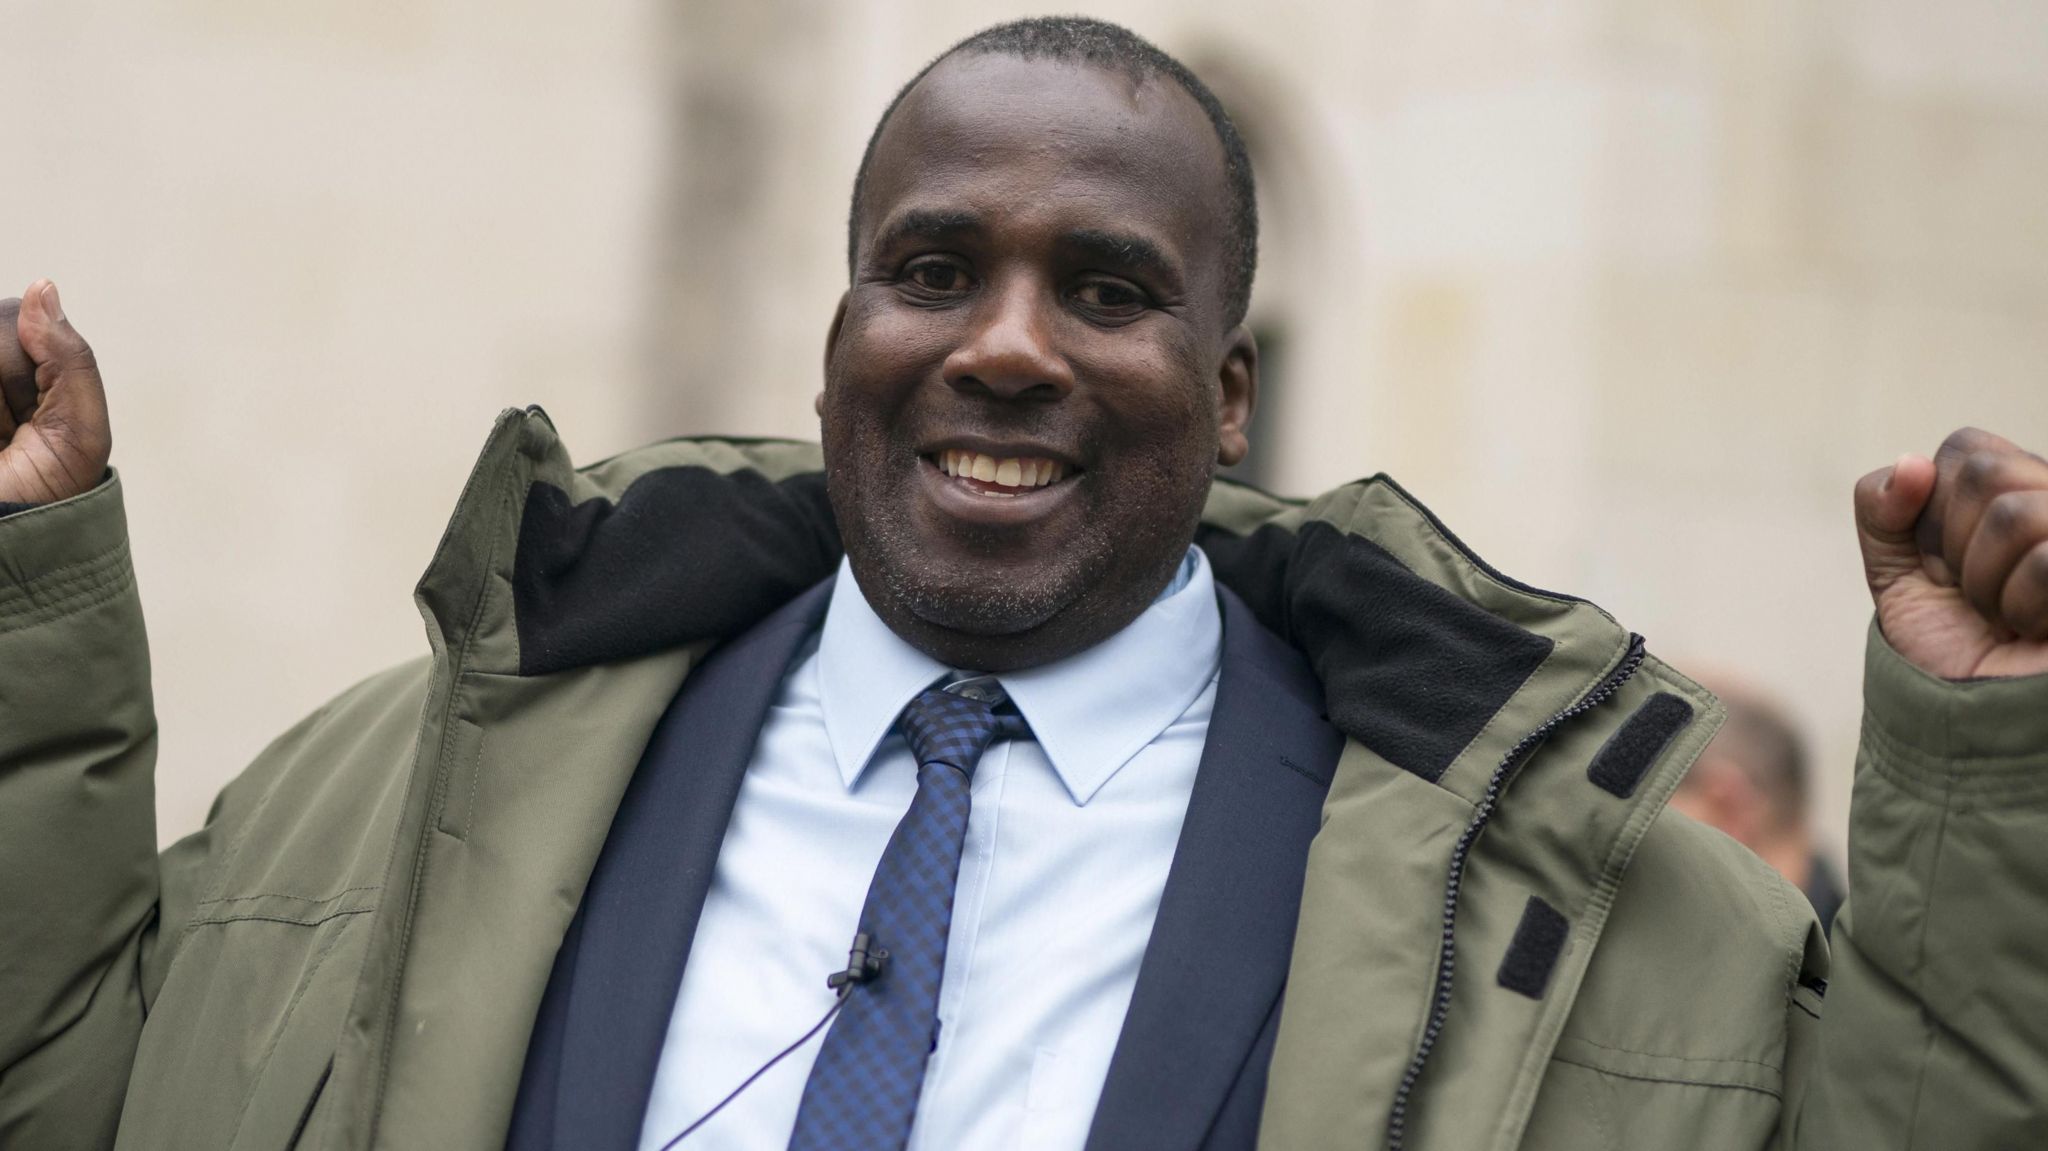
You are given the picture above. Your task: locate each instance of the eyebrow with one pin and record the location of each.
(928, 224)
(1122, 249)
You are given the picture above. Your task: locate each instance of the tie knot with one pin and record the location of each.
(954, 727)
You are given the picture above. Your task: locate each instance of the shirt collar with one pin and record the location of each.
(1090, 713)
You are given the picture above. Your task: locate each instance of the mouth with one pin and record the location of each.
(999, 477)
(1006, 488)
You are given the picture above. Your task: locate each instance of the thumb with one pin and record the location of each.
(69, 393)
(46, 333)
(68, 440)
(1888, 503)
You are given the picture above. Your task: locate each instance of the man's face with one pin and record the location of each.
(1030, 381)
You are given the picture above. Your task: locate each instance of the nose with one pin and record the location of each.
(1010, 352)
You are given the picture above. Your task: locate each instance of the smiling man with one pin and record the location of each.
(1041, 359)
(992, 778)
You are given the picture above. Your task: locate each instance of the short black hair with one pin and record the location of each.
(1081, 40)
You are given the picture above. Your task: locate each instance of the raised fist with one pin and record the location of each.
(54, 438)
(1956, 552)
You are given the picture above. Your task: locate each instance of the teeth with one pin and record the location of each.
(1014, 472)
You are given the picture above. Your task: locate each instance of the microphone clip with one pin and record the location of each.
(864, 963)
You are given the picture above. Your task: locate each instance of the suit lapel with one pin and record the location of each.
(1219, 951)
(639, 914)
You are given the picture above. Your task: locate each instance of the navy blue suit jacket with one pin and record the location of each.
(1189, 1071)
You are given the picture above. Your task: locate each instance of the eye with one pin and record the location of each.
(935, 278)
(1111, 298)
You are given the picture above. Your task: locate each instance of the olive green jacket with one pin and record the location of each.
(1503, 941)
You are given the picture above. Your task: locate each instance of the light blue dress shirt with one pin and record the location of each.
(1068, 847)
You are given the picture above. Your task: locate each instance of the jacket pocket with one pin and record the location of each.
(237, 1045)
(278, 1111)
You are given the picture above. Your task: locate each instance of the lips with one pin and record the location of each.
(999, 476)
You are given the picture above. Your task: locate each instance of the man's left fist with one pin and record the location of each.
(1956, 552)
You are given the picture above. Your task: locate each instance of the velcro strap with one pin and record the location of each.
(1539, 940)
(1620, 765)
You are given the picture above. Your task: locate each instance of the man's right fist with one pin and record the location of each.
(54, 438)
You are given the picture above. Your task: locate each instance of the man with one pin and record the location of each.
(1751, 782)
(552, 884)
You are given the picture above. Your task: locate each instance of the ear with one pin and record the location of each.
(831, 348)
(1237, 394)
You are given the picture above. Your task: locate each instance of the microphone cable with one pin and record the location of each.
(864, 963)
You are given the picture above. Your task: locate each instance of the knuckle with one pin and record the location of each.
(1982, 472)
(2009, 513)
(1960, 442)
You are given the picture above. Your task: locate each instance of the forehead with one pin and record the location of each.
(1087, 144)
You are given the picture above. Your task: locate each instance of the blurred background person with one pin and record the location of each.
(1753, 783)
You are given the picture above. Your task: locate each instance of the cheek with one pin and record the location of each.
(883, 345)
(1160, 403)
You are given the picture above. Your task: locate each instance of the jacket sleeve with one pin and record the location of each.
(80, 879)
(1934, 1030)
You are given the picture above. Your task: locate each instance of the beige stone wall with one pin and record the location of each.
(318, 246)
(1629, 292)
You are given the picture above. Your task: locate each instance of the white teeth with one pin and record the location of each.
(1013, 472)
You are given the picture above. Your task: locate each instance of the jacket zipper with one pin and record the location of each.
(1447, 962)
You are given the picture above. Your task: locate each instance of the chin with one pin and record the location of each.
(988, 603)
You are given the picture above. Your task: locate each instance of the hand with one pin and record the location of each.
(54, 437)
(1956, 552)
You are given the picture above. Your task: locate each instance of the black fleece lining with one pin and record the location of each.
(8, 509)
(686, 554)
(1539, 940)
(1622, 762)
(1412, 671)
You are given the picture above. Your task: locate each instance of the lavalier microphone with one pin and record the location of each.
(865, 963)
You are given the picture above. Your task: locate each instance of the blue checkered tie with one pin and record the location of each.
(862, 1093)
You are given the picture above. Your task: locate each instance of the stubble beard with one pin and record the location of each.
(990, 598)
